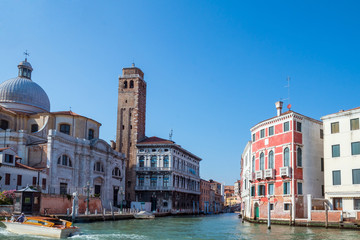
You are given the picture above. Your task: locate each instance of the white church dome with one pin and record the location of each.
(21, 94)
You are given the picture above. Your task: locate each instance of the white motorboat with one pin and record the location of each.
(42, 226)
(144, 215)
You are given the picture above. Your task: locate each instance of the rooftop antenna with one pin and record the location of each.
(26, 54)
(288, 98)
(70, 108)
(170, 135)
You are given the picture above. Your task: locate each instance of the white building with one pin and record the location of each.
(342, 160)
(16, 175)
(167, 175)
(64, 144)
(246, 174)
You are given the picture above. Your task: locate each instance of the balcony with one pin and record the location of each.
(285, 172)
(269, 173)
(152, 169)
(259, 174)
(251, 177)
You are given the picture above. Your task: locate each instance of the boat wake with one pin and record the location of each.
(108, 236)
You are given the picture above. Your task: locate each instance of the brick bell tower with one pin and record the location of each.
(130, 121)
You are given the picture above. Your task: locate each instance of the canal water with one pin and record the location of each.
(223, 226)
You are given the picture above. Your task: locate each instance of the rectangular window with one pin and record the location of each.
(262, 133)
(43, 184)
(322, 164)
(337, 203)
(7, 179)
(253, 191)
(261, 190)
(271, 206)
(271, 131)
(286, 206)
(286, 187)
(322, 190)
(300, 188)
(166, 181)
(357, 204)
(354, 124)
(355, 148)
(141, 181)
(19, 180)
(336, 177)
(153, 181)
(286, 126)
(9, 158)
(298, 126)
(34, 181)
(356, 176)
(335, 127)
(335, 149)
(253, 137)
(271, 189)
(65, 128)
(321, 134)
(63, 188)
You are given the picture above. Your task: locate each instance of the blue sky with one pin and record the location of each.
(213, 68)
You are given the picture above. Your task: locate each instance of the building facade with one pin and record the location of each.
(342, 161)
(167, 176)
(246, 178)
(205, 189)
(64, 144)
(130, 121)
(286, 155)
(217, 199)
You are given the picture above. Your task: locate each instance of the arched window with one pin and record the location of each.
(141, 161)
(299, 157)
(253, 164)
(166, 161)
(64, 160)
(116, 172)
(98, 167)
(34, 128)
(131, 84)
(271, 160)
(286, 157)
(262, 161)
(65, 128)
(153, 161)
(91, 134)
(125, 84)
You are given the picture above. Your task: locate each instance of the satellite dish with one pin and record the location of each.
(289, 106)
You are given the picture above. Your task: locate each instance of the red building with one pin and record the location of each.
(205, 189)
(286, 155)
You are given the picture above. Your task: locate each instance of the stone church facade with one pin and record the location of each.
(63, 146)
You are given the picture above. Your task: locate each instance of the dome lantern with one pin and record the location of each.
(25, 67)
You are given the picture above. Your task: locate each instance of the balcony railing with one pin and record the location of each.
(164, 188)
(154, 169)
(285, 172)
(259, 174)
(269, 173)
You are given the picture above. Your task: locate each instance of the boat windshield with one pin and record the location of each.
(55, 221)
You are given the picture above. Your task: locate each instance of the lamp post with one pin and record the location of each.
(122, 192)
(87, 189)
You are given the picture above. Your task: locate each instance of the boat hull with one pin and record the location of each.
(28, 229)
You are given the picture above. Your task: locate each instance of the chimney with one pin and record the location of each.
(279, 105)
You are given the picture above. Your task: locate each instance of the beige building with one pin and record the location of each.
(342, 160)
